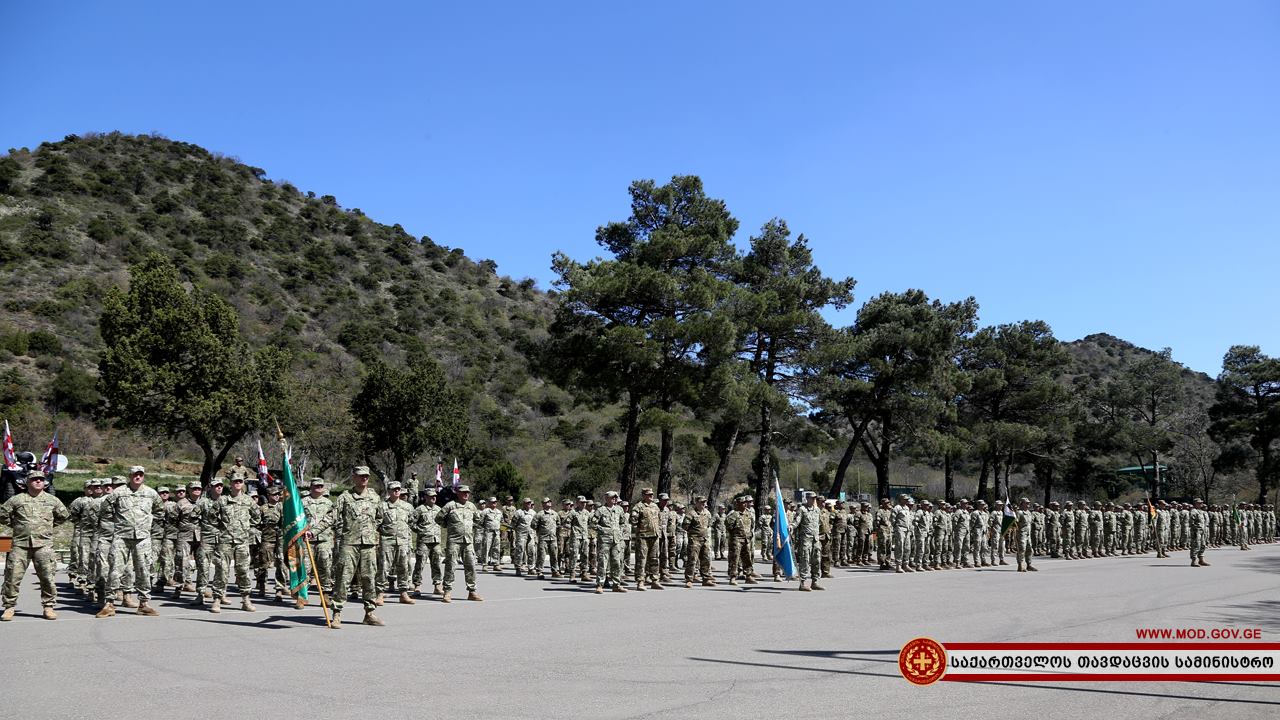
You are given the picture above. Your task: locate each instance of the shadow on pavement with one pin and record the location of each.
(1133, 693)
(1263, 614)
(795, 667)
(271, 622)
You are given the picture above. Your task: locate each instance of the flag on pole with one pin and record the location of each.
(10, 457)
(49, 462)
(1151, 509)
(457, 475)
(781, 533)
(439, 476)
(1009, 520)
(264, 475)
(293, 525)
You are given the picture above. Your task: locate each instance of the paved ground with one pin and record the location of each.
(550, 650)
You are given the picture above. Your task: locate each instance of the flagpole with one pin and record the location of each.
(315, 573)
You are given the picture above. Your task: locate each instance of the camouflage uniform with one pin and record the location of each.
(32, 519)
(523, 546)
(547, 525)
(319, 510)
(608, 521)
(355, 518)
(459, 521)
(808, 543)
(645, 523)
(397, 545)
(133, 512)
(237, 517)
(579, 523)
(697, 562)
(491, 526)
(423, 522)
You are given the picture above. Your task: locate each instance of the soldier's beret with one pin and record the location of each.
(360, 470)
(137, 469)
(162, 488)
(464, 488)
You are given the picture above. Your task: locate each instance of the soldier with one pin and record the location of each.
(410, 488)
(866, 529)
(522, 543)
(579, 521)
(666, 537)
(682, 537)
(32, 516)
(358, 512)
(238, 470)
(940, 534)
(397, 544)
(884, 534)
(188, 537)
(960, 533)
(491, 525)
(211, 537)
(564, 530)
(237, 515)
(718, 532)
(1124, 528)
(645, 522)
(76, 562)
(1022, 538)
(423, 523)
(626, 538)
(458, 518)
(921, 529)
(806, 538)
(749, 552)
(1199, 524)
(547, 525)
(902, 533)
(1067, 530)
(508, 530)
(319, 509)
(735, 526)
(132, 507)
(608, 521)
(161, 572)
(591, 536)
(268, 557)
(697, 528)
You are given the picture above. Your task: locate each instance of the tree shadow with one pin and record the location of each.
(1262, 614)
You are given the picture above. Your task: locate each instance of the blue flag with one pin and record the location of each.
(781, 534)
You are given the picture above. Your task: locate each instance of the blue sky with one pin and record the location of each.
(1106, 167)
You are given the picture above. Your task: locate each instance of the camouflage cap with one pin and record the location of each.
(509, 498)
(134, 470)
(646, 491)
(35, 475)
(624, 502)
(361, 470)
(118, 480)
(527, 501)
(582, 498)
(546, 499)
(393, 485)
(663, 496)
(193, 485)
(493, 499)
(611, 493)
(699, 499)
(216, 481)
(162, 488)
(90, 482)
(317, 481)
(567, 502)
(430, 491)
(463, 489)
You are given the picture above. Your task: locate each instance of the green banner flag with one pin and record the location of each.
(294, 526)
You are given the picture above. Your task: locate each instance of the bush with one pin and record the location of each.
(43, 342)
(13, 340)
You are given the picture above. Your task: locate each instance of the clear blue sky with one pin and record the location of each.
(1103, 166)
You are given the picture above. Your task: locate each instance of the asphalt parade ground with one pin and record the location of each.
(554, 649)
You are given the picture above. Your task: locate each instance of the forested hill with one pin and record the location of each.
(1099, 356)
(303, 272)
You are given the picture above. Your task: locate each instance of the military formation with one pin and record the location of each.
(129, 540)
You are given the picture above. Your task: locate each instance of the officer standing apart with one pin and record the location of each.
(32, 516)
(609, 520)
(357, 513)
(806, 539)
(133, 507)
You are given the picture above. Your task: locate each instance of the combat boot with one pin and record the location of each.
(1031, 568)
(803, 587)
(49, 614)
(1203, 563)
(1021, 568)
(188, 587)
(447, 597)
(299, 602)
(279, 594)
(177, 592)
(406, 600)
(751, 580)
(336, 622)
(374, 620)
(688, 583)
(777, 577)
(216, 607)
(246, 605)
(8, 615)
(473, 595)
(145, 609)
(130, 601)
(107, 611)
(618, 588)
(599, 589)
(640, 587)
(816, 586)
(378, 600)
(436, 589)
(656, 586)
(708, 583)
(733, 581)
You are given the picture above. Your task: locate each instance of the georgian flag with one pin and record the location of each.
(264, 475)
(49, 461)
(457, 475)
(10, 457)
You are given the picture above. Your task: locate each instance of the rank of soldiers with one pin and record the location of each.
(129, 540)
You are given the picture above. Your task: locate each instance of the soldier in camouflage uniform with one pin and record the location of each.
(490, 524)
(187, 525)
(626, 538)
(884, 534)
(133, 507)
(207, 555)
(423, 523)
(269, 558)
(319, 508)
(458, 518)
(666, 537)
(1199, 522)
(357, 515)
(806, 539)
(579, 520)
(547, 525)
(718, 532)
(76, 561)
(564, 532)
(508, 530)
(161, 560)
(396, 545)
(238, 516)
(32, 515)
(409, 490)
(697, 527)
(608, 521)
(1022, 538)
(735, 524)
(646, 525)
(1067, 530)
(523, 547)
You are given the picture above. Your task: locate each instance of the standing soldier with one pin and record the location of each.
(980, 533)
(718, 535)
(645, 523)
(423, 522)
(547, 526)
(806, 538)
(749, 531)
(397, 544)
(210, 537)
(697, 527)
(32, 516)
(162, 559)
(76, 512)
(358, 512)
(508, 530)
(626, 537)
(733, 524)
(409, 494)
(237, 516)
(579, 521)
(1199, 522)
(825, 533)
(666, 537)
(608, 522)
(960, 532)
(839, 536)
(188, 525)
(1022, 539)
(564, 532)
(491, 526)
(902, 530)
(132, 507)
(766, 534)
(319, 509)
(268, 557)
(866, 528)
(884, 534)
(682, 538)
(458, 518)
(1067, 530)
(522, 543)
